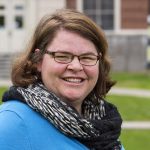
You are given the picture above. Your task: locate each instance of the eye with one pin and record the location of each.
(62, 56)
(88, 58)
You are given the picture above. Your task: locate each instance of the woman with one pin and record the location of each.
(59, 84)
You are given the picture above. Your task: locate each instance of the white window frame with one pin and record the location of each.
(79, 6)
(117, 21)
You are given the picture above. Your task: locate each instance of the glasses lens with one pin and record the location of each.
(62, 57)
(88, 60)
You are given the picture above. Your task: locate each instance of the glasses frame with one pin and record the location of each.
(53, 54)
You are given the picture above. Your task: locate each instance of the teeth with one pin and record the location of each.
(74, 80)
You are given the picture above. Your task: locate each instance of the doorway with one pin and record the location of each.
(12, 25)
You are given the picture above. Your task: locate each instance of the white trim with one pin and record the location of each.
(133, 32)
(117, 15)
(79, 5)
(31, 15)
(126, 32)
(117, 23)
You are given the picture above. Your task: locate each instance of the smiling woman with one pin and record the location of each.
(59, 85)
(72, 81)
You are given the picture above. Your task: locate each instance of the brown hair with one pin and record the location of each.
(24, 71)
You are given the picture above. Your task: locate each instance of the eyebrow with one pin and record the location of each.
(86, 53)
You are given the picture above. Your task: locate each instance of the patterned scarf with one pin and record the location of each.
(99, 127)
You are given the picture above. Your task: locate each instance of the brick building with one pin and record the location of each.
(125, 25)
(124, 22)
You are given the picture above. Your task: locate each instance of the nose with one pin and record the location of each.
(75, 65)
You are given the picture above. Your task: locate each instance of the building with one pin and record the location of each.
(124, 22)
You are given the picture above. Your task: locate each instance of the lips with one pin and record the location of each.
(73, 79)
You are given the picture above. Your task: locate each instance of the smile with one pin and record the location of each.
(74, 80)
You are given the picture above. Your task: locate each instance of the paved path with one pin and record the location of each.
(132, 92)
(4, 82)
(136, 125)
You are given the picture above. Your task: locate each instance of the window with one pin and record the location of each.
(2, 22)
(19, 7)
(18, 22)
(2, 7)
(100, 11)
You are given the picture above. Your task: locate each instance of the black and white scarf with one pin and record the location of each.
(98, 128)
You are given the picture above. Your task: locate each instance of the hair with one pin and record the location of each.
(24, 70)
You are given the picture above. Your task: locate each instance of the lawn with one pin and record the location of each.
(132, 80)
(2, 90)
(132, 108)
(136, 139)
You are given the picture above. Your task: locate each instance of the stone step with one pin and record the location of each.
(5, 65)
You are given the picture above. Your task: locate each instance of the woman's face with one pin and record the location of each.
(72, 82)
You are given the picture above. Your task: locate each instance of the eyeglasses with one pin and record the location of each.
(65, 58)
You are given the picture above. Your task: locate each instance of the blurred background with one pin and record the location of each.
(126, 24)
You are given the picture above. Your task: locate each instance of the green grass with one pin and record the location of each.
(132, 80)
(132, 108)
(2, 90)
(136, 139)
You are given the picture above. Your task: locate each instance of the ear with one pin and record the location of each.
(37, 50)
(39, 64)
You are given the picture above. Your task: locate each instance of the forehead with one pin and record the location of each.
(71, 42)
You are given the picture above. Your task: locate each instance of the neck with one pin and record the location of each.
(76, 105)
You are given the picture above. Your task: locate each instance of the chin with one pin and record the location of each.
(73, 94)
(72, 98)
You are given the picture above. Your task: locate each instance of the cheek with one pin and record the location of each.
(93, 74)
(51, 69)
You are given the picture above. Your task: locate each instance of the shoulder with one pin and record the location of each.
(12, 111)
(12, 126)
(17, 111)
(20, 125)
(14, 106)
(15, 114)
